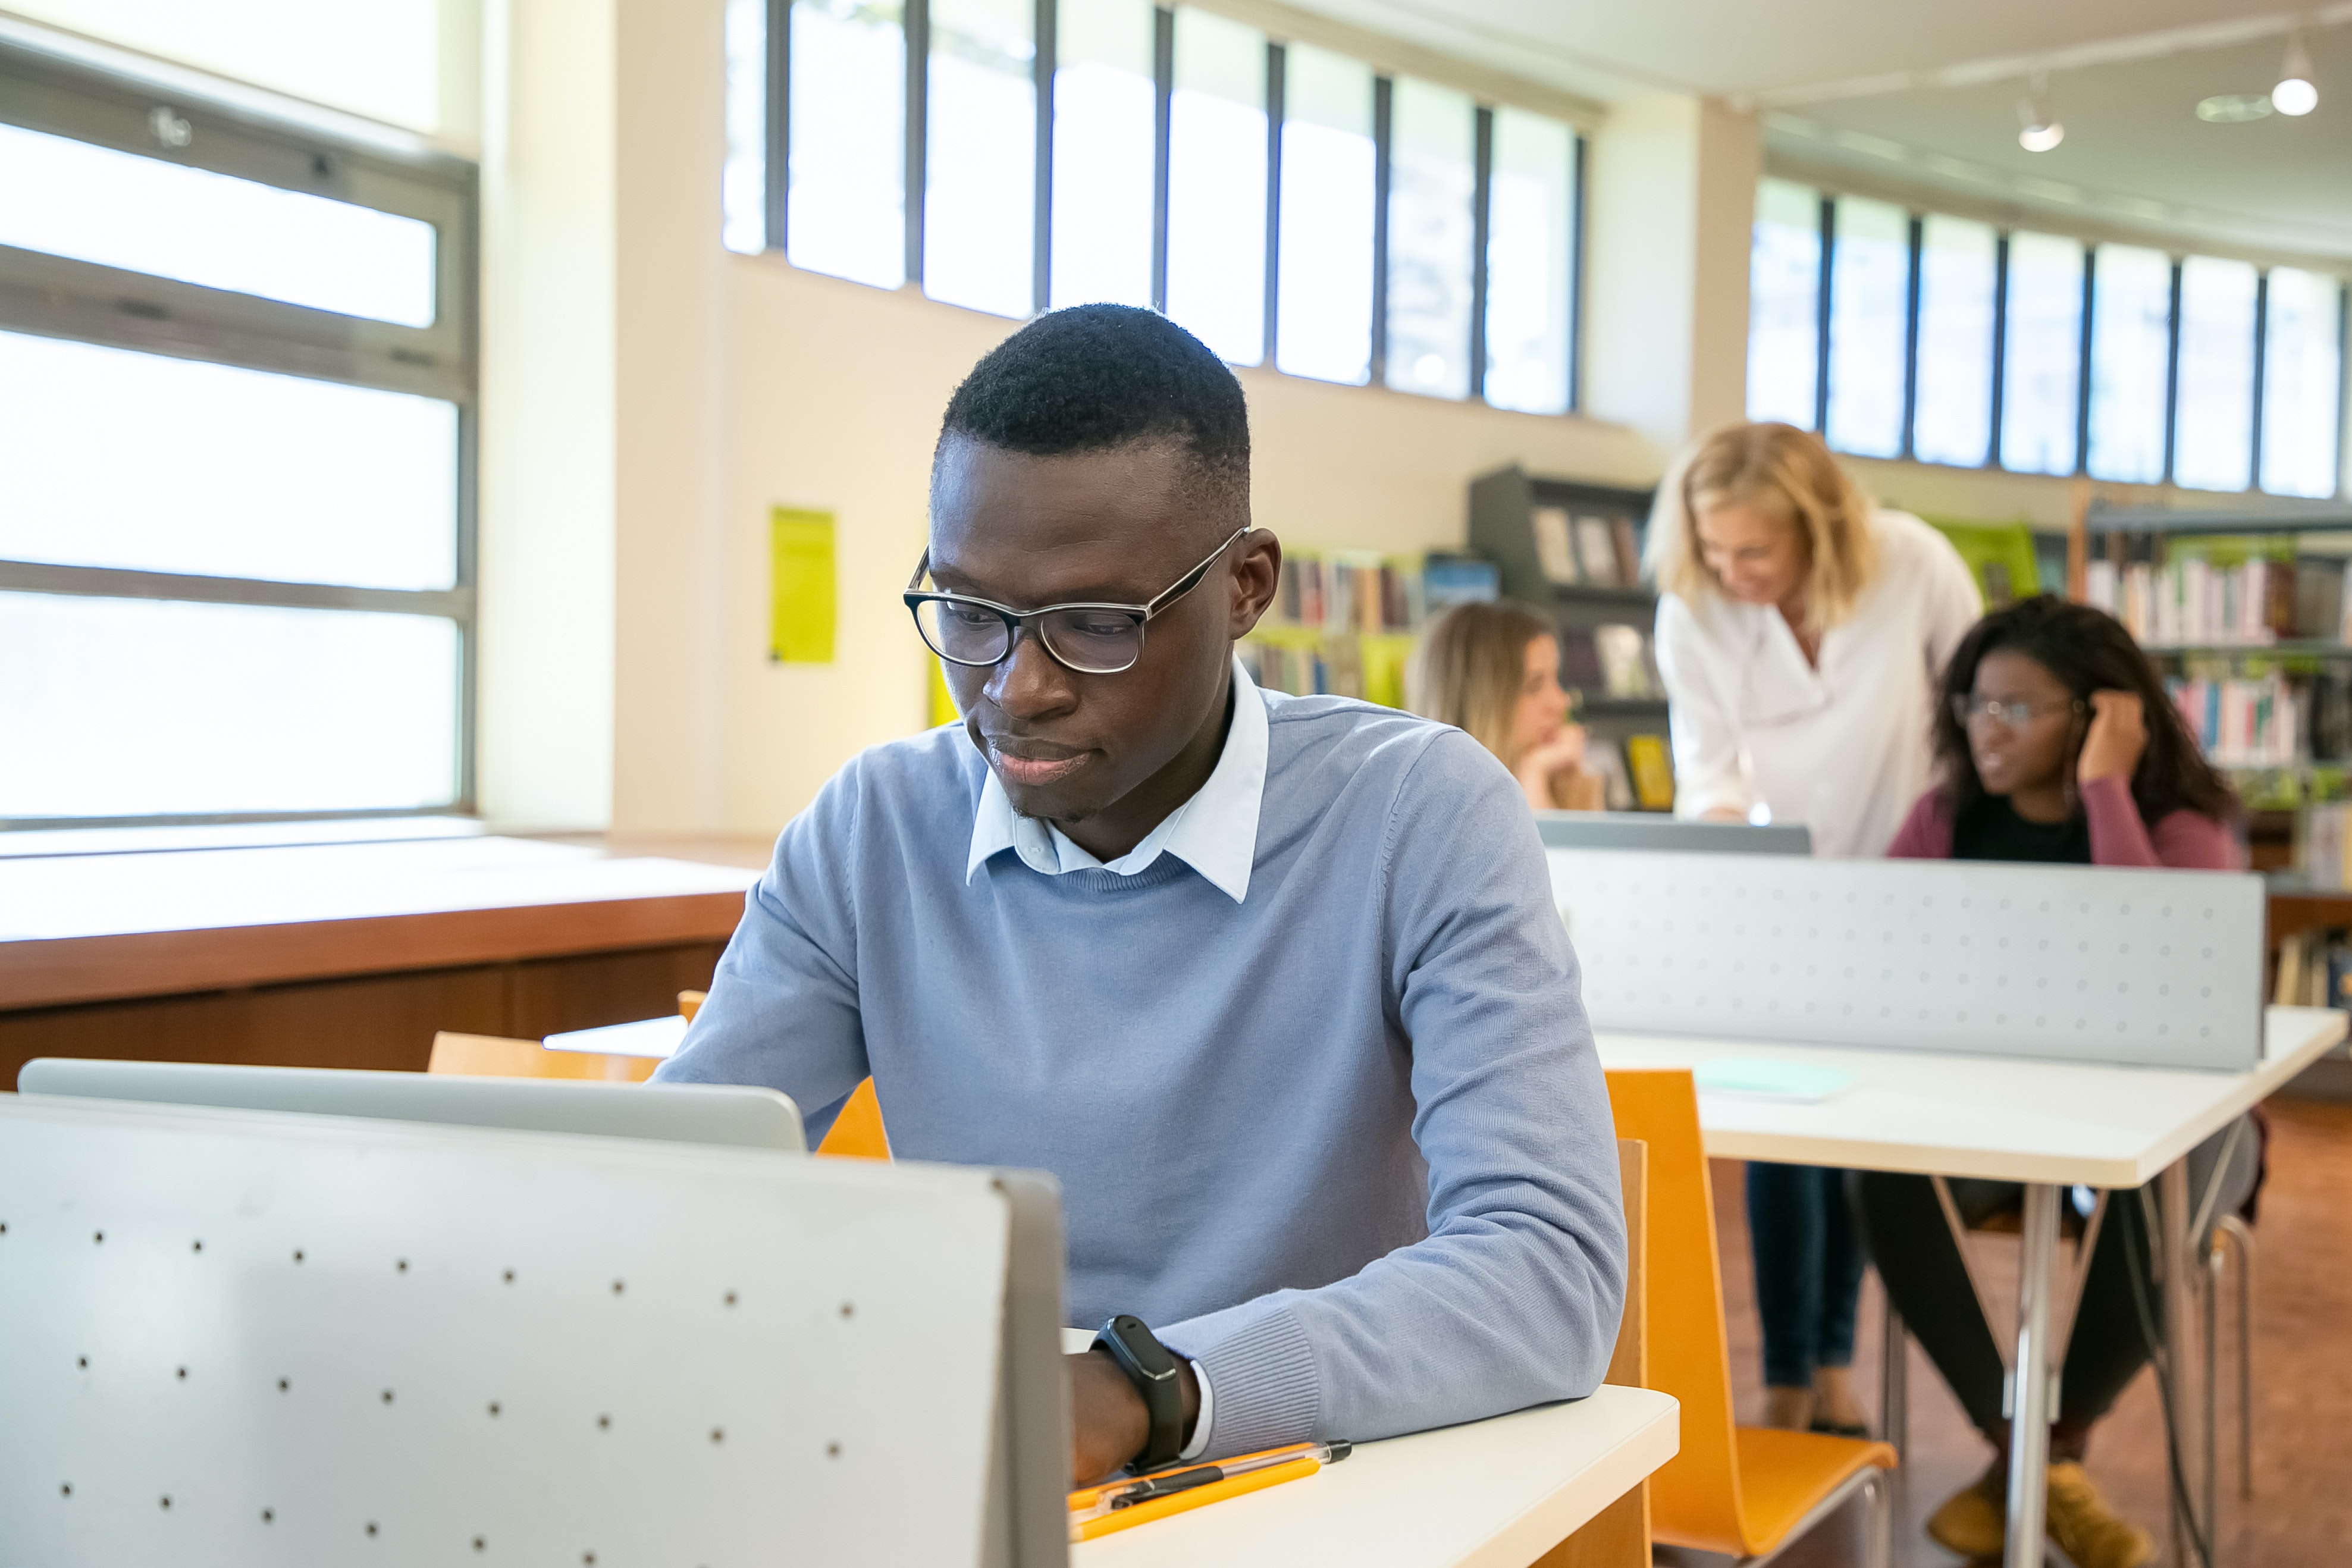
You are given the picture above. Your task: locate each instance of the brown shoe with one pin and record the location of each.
(2088, 1531)
(1974, 1523)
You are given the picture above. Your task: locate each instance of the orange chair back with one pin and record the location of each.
(494, 1055)
(1695, 1500)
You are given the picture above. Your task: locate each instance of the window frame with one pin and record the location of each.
(43, 295)
(915, 20)
(2003, 229)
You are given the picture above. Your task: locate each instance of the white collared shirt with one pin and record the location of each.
(1215, 832)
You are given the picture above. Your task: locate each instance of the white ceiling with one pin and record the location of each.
(1923, 96)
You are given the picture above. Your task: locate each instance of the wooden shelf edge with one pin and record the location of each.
(74, 970)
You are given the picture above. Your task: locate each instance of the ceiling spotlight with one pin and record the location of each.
(2038, 130)
(2234, 108)
(2294, 94)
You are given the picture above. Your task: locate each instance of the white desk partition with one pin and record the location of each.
(2071, 963)
(254, 1337)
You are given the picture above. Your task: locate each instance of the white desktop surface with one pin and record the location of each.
(2006, 1117)
(1490, 1494)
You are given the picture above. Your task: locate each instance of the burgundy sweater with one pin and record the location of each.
(2185, 840)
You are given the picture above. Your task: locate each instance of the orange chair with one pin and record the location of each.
(1749, 1491)
(495, 1055)
(1619, 1536)
(856, 1133)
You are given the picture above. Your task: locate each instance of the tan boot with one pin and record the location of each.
(2088, 1531)
(1974, 1521)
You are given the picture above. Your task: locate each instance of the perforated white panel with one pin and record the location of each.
(2158, 968)
(239, 1338)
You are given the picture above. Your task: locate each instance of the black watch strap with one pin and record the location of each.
(1151, 1367)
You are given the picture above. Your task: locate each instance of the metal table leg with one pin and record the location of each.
(2179, 1285)
(2030, 1376)
(1894, 1382)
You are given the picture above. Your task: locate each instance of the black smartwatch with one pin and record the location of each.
(1151, 1367)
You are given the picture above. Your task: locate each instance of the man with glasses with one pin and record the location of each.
(1273, 986)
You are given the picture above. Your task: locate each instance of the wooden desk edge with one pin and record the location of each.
(1578, 1503)
(69, 970)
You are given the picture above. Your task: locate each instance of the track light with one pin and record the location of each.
(2295, 93)
(2038, 130)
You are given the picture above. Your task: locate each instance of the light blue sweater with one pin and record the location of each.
(1345, 1143)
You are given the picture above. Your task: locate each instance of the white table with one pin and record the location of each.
(2047, 1124)
(1490, 1494)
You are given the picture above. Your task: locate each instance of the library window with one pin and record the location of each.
(1285, 203)
(235, 430)
(1870, 288)
(1784, 298)
(1951, 340)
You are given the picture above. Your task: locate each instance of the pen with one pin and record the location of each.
(1125, 1495)
(1085, 1527)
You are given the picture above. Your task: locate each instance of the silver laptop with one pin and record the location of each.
(1649, 830)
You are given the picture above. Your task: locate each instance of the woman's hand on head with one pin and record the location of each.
(2116, 739)
(1563, 755)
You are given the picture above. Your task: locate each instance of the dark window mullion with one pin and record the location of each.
(1045, 36)
(778, 131)
(1999, 344)
(1383, 96)
(1163, 82)
(1911, 337)
(1577, 207)
(918, 26)
(2083, 364)
(1822, 303)
(1482, 188)
(1276, 85)
(2172, 374)
(2262, 356)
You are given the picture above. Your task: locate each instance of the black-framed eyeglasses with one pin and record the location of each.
(1092, 639)
(2016, 715)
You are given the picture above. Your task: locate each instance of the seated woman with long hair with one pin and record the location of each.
(1493, 670)
(2055, 743)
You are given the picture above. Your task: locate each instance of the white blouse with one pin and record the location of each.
(1843, 748)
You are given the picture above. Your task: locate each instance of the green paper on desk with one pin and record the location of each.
(1761, 1078)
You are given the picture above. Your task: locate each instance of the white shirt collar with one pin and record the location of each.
(1216, 832)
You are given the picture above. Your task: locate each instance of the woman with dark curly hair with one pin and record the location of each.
(2055, 743)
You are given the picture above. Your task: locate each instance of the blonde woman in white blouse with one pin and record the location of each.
(1802, 634)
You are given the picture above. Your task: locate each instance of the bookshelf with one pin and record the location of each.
(2245, 611)
(1574, 549)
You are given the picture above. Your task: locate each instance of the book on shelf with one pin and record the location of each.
(1579, 661)
(1449, 580)
(1607, 762)
(1652, 767)
(1628, 667)
(1596, 554)
(1556, 546)
(2218, 592)
(2244, 721)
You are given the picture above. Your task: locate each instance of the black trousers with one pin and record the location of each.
(1903, 1225)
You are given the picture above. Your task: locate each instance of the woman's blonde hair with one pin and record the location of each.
(1469, 669)
(1778, 469)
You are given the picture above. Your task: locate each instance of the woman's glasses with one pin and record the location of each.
(2015, 715)
(1092, 639)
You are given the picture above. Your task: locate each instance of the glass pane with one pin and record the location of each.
(2042, 354)
(232, 473)
(1103, 104)
(1784, 300)
(1531, 248)
(150, 708)
(982, 167)
(1954, 419)
(383, 59)
(1433, 176)
(2302, 382)
(2131, 341)
(743, 179)
(846, 210)
(1216, 185)
(1324, 325)
(2213, 419)
(143, 215)
(1870, 305)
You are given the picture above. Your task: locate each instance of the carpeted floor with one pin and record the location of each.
(2301, 1515)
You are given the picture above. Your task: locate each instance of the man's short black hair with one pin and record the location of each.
(1094, 377)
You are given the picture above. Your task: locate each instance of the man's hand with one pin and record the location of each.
(1108, 1423)
(2118, 736)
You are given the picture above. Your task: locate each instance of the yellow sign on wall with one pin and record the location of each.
(802, 598)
